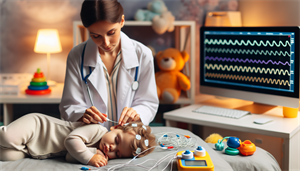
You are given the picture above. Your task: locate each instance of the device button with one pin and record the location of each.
(200, 151)
(187, 155)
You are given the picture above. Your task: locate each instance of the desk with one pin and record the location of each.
(286, 128)
(8, 100)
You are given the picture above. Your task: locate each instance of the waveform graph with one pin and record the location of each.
(261, 61)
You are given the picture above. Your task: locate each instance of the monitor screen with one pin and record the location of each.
(259, 64)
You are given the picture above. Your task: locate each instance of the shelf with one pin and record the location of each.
(183, 38)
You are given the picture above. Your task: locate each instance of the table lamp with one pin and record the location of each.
(47, 41)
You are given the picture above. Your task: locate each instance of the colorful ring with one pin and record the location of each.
(38, 87)
(38, 83)
(38, 79)
(38, 75)
(38, 92)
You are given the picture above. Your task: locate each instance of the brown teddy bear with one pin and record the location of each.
(169, 80)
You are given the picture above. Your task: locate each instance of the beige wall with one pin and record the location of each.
(270, 12)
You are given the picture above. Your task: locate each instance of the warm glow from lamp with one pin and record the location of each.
(47, 41)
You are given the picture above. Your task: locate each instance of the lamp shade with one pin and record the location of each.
(47, 41)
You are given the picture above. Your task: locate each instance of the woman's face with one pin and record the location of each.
(116, 144)
(106, 35)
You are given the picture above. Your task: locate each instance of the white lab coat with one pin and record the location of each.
(144, 100)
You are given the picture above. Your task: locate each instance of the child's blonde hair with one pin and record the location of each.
(145, 132)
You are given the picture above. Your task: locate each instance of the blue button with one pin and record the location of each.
(187, 152)
(199, 148)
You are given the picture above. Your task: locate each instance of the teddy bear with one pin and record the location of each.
(157, 12)
(169, 80)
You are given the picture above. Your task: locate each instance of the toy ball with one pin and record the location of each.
(247, 148)
(233, 142)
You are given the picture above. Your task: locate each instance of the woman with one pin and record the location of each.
(102, 73)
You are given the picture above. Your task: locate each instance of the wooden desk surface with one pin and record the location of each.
(279, 127)
(23, 98)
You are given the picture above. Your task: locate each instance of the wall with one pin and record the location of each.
(21, 19)
(270, 12)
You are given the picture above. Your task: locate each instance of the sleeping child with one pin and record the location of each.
(40, 136)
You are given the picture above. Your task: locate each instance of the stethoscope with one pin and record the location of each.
(134, 86)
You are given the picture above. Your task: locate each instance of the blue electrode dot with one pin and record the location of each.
(199, 148)
(187, 152)
(85, 168)
(165, 135)
(177, 135)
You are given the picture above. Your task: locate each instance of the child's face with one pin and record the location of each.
(116, 144)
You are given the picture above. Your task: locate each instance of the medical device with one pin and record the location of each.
(259, 64)
(134, 86)
(194, 160)
(167, 141)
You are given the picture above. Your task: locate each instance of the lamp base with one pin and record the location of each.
(51, 83)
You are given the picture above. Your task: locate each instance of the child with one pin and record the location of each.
(41, 136)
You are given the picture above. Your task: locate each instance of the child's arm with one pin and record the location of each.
(69, 158)
(76, 142)
(98, 159)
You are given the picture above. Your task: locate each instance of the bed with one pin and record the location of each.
(260, 161)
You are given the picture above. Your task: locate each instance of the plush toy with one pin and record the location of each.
(157, 12)
(169, 80)
(213, 138)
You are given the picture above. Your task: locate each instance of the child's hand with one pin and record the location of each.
(98, 160)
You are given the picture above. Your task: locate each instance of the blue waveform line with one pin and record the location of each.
(245, 60)
(242, 42)
(247, 69)
(247, 51)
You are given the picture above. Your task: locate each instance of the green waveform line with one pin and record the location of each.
(248, 51)
(242, 42)
(247, 69)
(247, 78)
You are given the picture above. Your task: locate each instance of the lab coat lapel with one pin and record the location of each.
(126, 71)
(97, 77)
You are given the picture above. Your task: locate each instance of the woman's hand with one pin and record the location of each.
(98, 160)
(128, 115)
(93, 115)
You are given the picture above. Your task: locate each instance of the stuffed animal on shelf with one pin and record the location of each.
(169, 80)
(157, 12)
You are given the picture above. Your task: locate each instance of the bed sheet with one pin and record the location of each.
(59, 164)
(261, 160)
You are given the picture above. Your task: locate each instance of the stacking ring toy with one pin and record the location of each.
(38, 84)
(38, 87)
(38, 79)
(38, 92)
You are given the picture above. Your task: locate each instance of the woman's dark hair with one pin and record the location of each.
(93, 11)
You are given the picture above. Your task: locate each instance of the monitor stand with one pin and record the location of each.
(256, 108)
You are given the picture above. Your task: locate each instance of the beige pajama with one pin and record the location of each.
(41, 136)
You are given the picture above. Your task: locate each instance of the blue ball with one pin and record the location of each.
(233, 142)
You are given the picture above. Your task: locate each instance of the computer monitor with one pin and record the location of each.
(259, 64)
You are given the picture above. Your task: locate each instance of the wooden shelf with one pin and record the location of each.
(185, 39)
